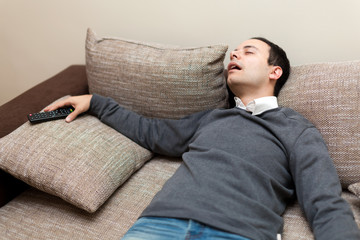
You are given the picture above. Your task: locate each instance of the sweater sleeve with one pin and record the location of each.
(318, 189)
(164, 136)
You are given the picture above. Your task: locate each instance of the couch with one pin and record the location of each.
(84, 180)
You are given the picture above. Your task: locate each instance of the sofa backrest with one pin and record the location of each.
(328, 94)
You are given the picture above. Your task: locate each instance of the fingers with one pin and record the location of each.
(80, 103)
(73, 115)
(57, 105)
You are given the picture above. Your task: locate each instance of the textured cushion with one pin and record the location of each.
(37, 215)
(296, 227)
(355, 189)
(328, 95)
(82, 162)
(156, 80)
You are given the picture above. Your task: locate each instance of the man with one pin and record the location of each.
(240, 166)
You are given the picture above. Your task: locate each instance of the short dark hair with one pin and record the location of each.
(277, 57)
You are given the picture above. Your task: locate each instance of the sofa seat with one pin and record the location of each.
(38, 215)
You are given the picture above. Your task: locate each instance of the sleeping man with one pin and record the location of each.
(241, 166)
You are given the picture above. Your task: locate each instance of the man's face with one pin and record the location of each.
(249, 67)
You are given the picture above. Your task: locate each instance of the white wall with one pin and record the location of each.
(39, 38)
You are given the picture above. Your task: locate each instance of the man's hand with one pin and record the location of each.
(80, 103)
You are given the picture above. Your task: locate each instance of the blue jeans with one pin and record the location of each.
(155, 228)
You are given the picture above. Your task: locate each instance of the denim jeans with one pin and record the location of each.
(155, 228)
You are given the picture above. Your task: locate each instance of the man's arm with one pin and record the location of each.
(165, 136)
(318, 189)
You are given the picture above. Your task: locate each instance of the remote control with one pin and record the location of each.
(48, 116)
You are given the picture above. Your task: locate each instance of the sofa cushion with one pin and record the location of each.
(82, 162)
(38, 215)
(156, 80)
(328, 95)
(355, 189)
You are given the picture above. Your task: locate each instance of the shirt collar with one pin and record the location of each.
(259, 105)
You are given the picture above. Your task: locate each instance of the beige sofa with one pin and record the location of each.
(84, 180)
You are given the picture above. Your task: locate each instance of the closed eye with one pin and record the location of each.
(249, 49)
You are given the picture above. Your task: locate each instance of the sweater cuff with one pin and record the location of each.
(95, 104)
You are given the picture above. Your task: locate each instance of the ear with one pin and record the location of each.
(275, 73)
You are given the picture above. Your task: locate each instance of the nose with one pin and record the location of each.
(234, 54)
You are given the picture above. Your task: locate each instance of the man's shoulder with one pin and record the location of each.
(295, 116)
(291, 125)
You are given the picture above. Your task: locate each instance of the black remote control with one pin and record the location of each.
(48, 116)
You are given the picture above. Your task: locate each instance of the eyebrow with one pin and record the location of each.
(247, 47)
(251, 46)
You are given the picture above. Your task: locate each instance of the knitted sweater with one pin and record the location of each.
(239, 171)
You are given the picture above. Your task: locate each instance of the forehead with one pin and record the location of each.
(256, 44)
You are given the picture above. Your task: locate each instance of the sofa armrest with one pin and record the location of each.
(71, 81)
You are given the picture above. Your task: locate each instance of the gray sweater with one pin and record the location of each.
(239, 171)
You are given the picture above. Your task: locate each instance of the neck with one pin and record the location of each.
(246, 100)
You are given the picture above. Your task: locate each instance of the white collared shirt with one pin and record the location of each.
(259, 105)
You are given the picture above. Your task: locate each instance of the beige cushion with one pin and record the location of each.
(355, 189)
(296, 227)
(82, 162)
(156, 80)
(37, 215)
(328, 95)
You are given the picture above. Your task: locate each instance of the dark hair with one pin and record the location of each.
(277, 57)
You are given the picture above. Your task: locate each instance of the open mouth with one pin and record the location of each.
(234, 66)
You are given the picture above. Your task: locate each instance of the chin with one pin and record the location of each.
(232, 82)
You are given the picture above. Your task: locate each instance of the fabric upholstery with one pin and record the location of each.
(156, 80)
(70, 81)
(355, 189)
(37, 215)
(82, 162)
(328, 95)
